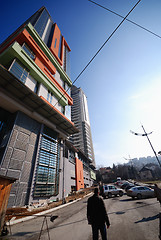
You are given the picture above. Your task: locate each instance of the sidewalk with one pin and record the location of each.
(42, 212)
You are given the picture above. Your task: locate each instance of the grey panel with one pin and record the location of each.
(22, 145)
(18, 154)
(13, 138)
(15, 164)
(23, 137)
(25, 172)
(11, 201)
(7, 157)
(3, 171)
(13, 174)
(14, 188)
(33, 138)
(23, 199)
(22, 188)
(30, 153)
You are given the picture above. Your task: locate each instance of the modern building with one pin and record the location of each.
(80, 117)
(35, 114)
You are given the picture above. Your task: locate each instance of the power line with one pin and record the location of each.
(124, 18)
(117, 14)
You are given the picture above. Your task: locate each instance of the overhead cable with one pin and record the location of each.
(101, 47)
(138, 25)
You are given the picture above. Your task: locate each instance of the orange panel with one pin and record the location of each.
(5, 187)
(79, 174)
(55, 44)
(41, 59)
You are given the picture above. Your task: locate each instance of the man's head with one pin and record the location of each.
(96, 191)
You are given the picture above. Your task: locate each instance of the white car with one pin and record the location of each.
(140, 192)
(110, 190)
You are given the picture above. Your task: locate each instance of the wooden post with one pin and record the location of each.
(5, 187)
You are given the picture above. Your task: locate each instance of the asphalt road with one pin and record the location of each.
(130, 220)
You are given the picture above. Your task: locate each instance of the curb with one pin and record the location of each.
(24, 219)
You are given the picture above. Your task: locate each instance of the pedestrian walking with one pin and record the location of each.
(97, 215)
(157, 192)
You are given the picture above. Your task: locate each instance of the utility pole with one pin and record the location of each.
(151, 146)
(146, 134)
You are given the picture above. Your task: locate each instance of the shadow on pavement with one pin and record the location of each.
(119, 213)
(133, 208)
(126, 200)
(148, 219)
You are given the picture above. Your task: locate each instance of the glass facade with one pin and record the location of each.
(59, 53)
(48, 165)
(67, 60)
(19, 71)
(71, 156)
(41, 23)
(28, 51)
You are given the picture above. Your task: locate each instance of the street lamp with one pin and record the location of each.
(146, 134)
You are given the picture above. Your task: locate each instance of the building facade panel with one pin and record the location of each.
(79, 174)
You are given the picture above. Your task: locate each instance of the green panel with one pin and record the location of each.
(16, 51)
(93, 175)
(48, 53)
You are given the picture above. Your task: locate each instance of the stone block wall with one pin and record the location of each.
(19, 158)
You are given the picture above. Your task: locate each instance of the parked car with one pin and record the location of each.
(110, 190)
(125, 184)
(140, 192)
(129, 186)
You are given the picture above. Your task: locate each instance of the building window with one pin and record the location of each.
(28, 51)
(66, 64)
(67, 88)
(19, 71)
(55, 42)
(68, 111)
(42, 22)
(71, 156)
(59, 53)
(50, 97)
(47, 177)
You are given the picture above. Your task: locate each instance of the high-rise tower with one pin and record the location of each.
(80, 117)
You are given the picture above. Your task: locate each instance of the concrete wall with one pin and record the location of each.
(69, 176)
(19, 158)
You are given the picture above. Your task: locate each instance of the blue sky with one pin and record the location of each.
(123, 83)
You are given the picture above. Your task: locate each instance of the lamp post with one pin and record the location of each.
(146, 134)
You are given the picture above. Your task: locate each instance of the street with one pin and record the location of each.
(130, 220)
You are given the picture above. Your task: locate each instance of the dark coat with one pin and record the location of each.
(96, 211)
(157, 193)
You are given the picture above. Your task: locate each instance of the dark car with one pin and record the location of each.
(140, 192)
(129, 186)
(125, 184)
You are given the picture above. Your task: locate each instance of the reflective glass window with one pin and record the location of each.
(28, 51)
(19, 71)
(42, 22)
(48, 164)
